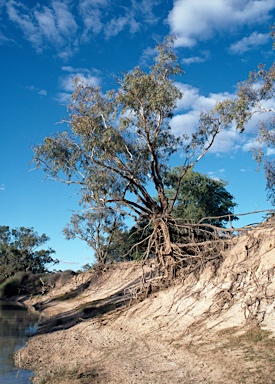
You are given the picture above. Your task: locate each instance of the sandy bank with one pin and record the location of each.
(217, 328)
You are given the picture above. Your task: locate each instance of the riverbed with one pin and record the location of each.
(16, 325)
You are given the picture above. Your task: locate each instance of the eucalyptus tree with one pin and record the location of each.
(119, 144)
(101, 229)
(20, 250)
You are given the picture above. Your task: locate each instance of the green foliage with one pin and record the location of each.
(86, 267)
(20, 250)
(130, 244)
(100, 229)
(20, 283)
(200, 197)
(10, 287)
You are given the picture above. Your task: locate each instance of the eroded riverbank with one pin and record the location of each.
(218, 327)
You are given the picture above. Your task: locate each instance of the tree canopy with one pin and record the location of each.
(200, 197)
(20, 250)
(102, 230)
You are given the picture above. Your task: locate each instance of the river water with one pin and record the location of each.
(16, 325)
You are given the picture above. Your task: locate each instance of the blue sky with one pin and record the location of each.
(45, 44)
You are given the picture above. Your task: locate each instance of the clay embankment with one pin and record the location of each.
(218, 328)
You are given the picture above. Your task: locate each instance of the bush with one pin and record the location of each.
(10, 287)
(62, 278)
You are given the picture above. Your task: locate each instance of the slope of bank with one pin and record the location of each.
(216, 327)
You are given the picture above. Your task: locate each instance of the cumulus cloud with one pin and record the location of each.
(195, 20)
(193, 99)
(66, 81)
(187, 117)
(228, 141)
(247, 43)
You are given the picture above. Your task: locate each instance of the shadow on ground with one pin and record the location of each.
(87, 310)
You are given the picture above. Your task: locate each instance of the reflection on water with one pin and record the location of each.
(16, 324)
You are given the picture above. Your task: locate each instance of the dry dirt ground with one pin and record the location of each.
(218, 327)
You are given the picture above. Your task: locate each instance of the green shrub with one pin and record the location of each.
(10, 287)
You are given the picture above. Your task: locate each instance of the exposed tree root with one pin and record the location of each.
(177, 248)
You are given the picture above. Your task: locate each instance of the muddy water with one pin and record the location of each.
(16, 325)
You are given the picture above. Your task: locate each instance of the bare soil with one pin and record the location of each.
(215, 327)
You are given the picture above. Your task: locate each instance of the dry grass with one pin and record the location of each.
(255, 349)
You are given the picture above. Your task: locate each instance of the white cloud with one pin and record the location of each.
(41, 92)
(222, 170)
(64, 24)
(270, 151)
(101, 17)
(205, 55)
(253, 144)
(66, 82)
(196, 20)
(147, 55)
(116, 25)
(247, 43)
(189, 96)
(2, 187)
(68, 262)
(63, 98)
(185, 123)
(91, 12)
(144, 8)
(187, 117)
(216, 175)
(46, 25)
(20, 16)
(193, 100)
(227, 141)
